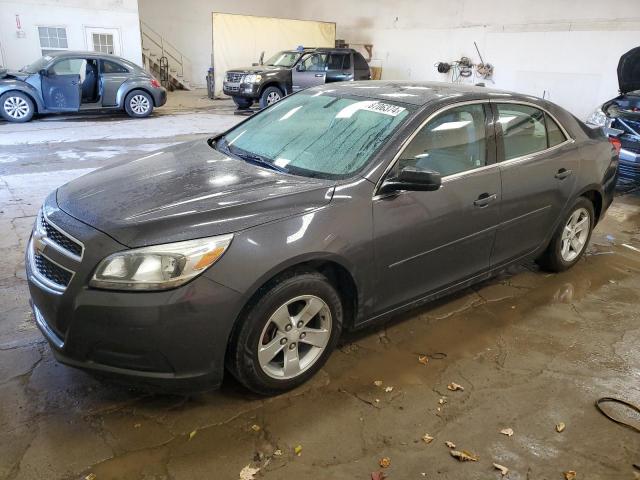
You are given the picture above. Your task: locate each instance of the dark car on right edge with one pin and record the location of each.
(620, 116)
(292, 70)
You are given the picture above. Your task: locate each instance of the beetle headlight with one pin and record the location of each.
(252, 78)
(159, 267)
(597, 119)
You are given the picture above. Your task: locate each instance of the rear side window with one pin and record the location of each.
(523, 130)
(555, 135)
(336, 61)
(359, 62)
(452, 142)
(347, 62)
(112, 67)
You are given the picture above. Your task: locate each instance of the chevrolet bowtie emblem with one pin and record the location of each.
(38, 242)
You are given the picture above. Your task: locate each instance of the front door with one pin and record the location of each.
(539, 166)
(311, 71)
(62, 85)
(427, 241)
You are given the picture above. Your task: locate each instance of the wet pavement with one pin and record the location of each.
(531, 350)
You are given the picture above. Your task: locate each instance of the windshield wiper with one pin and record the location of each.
(255, 159)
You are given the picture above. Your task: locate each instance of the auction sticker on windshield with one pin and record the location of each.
(385, 108)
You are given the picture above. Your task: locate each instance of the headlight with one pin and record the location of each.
(252, 78)
(597, 118)
(161, 266)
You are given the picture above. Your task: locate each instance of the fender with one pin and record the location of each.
(8, 85)
(136, 83)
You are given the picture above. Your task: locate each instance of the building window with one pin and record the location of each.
(52, 39)
(103, 42)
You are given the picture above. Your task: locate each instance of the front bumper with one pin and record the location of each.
(175, 338)
(629, 167)
(243, 90)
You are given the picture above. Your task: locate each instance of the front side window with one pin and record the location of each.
(315, 63)
(526, 130)
(69, 66)
(316, 134)
(452, 142)
(52, 39)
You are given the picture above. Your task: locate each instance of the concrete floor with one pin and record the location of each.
(530, 349)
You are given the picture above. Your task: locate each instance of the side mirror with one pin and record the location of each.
(261, 61)
(44, 73)
(412, 179)
(300, 67)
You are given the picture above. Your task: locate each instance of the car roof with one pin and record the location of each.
(421, 93)
(321, 49)
(80, 53)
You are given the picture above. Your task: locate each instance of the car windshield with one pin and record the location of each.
(283, 59)
(316, 134)
(38, 65)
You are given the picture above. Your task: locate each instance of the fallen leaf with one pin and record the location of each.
(298, 450)
(464, 456)
(507, 431)
(377, 400)
(450, 444)
(384, 462)
(426, 438)
(192, 434)
(569, 474)
(560, 427)
(248, 472)
(137, 425)
(442, 401)
(378, 383)
(503, 470)
(379, 475)
(423, 359)
(255, 428)
(277, 452)
(91, 476)
(388, 389)
(454, 386)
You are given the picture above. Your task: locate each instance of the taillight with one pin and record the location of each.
(617, 144)
(155, 83)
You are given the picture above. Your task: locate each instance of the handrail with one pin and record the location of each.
(166, 49)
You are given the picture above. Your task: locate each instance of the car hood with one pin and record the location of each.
(11, 74)
(184, 192)
(258, 69)
(629, 71)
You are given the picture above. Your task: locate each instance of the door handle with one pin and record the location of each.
(74, 83)
(484, 199)
(319, 74)
(563, 173)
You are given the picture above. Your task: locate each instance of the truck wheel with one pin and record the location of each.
(138, 104)
(242, 103)
(269, 96)
(16, 107)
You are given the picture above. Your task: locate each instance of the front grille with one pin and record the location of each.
(57, 237)
(232, 88)
(234, 77)
(52, 272)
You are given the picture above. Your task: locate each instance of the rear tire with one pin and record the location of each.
(287, 334)
(138, 104)
(269, 96)
(242, 103)
(570, 239)
(16, 107)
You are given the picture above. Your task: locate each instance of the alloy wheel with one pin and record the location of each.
(16, 107)
(575, 234)
(139, 104)
(272, 98)
(294, 337)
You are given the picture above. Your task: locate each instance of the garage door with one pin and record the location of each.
(238, 40)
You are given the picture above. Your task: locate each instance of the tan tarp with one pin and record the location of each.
(238, 40)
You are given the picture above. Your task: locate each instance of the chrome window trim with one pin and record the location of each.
(404, 145)
(454, 176)
(56, 287)
(54, 245)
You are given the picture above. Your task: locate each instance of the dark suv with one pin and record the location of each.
(292, 70)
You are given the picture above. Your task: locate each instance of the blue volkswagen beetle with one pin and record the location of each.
(78, 81)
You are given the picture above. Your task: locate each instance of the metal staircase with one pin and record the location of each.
(164, 61)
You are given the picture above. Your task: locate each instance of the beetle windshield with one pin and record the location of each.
(283, 59)
(316, 134)
(38, 65)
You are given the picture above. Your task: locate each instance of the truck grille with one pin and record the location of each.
(52, 272)
(233, 77)
(56, 236)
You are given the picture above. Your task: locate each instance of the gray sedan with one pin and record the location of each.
(336, 207)
(78, 81)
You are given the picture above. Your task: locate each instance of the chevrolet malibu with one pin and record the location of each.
(339, 206)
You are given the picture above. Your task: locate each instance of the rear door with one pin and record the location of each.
(62, 86)
(427, 241)
(309, 72)
(538, 163)
(339, 67)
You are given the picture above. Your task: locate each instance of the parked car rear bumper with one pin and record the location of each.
(160, 96)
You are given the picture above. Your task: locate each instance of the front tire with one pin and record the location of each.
(287, 335)
(138, 104)
(570, 239)
(242, 103)
(16, 107)
(269, 96)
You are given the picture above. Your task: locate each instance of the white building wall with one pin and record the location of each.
(565, 49)
(75, 15)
